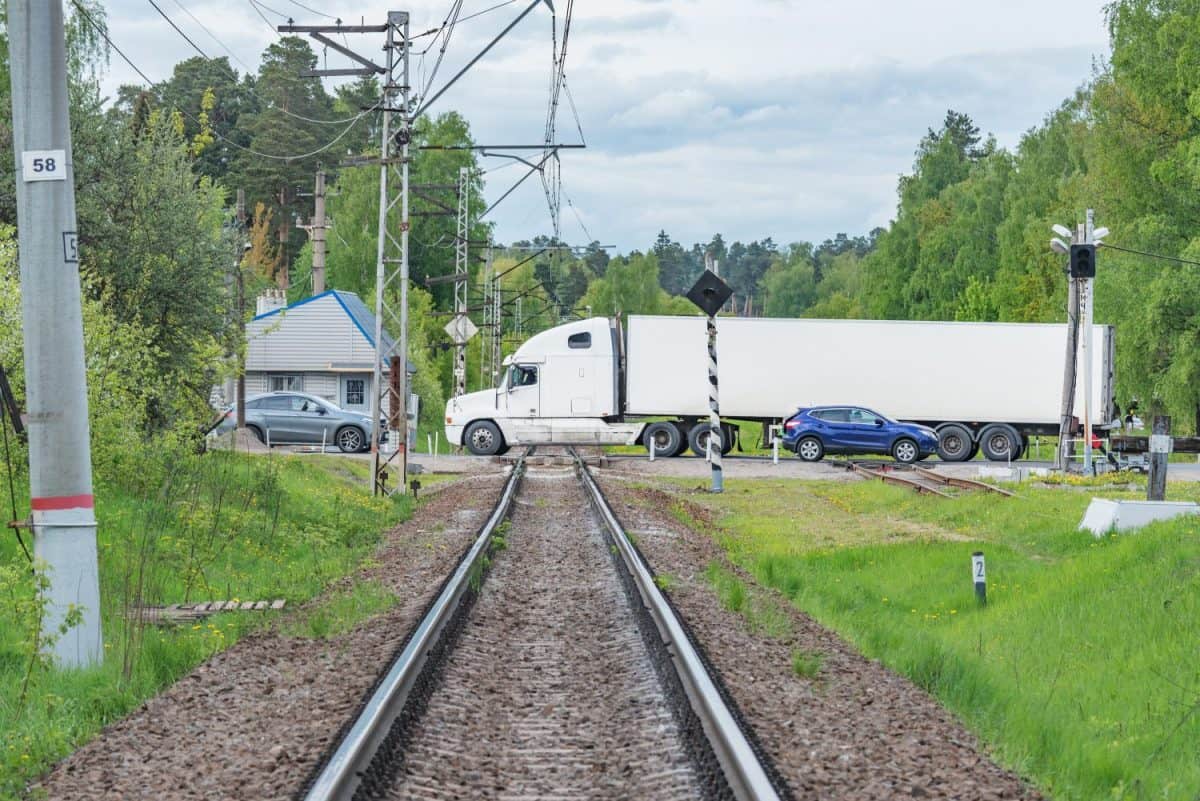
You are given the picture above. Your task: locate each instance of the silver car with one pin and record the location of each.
(293, 418)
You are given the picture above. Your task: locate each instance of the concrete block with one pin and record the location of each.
(1103, 516)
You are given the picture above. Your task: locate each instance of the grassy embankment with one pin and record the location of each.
(178, 529)
(1081, 671)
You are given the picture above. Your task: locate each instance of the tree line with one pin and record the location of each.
(157, 167)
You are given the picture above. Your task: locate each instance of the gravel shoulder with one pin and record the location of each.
(253, 721)
(856, 730)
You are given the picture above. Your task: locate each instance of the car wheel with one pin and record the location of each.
(905, 451)
(1000, 443)
(256, 431)
(665, 437)
(810, 449)
(483, 438)
(349, 439)
(955, 443)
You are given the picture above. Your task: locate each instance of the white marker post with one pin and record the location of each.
(979, 576)
(775, 432)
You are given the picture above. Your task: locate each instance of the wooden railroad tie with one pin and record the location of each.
(182, 613)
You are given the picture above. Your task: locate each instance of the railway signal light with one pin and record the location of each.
(1083, 261)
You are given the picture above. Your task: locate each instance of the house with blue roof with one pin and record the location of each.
(323, 345)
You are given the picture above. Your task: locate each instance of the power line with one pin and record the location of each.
(258, 10)
(314, 11)
(104, 34)
(1152, 255)
(234, 76)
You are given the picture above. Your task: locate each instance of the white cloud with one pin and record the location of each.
(783, 118)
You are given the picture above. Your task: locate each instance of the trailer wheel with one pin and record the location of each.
(483, 438)
(682, 428)
(698, 439)
(955, 443)
(1000, 443)
(667, 439)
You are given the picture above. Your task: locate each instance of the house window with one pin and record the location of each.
(580, 341)
(356, 390)
(285, 383)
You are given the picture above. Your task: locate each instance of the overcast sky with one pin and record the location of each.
(782, 118)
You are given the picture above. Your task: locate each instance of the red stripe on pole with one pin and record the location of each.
(59, 502)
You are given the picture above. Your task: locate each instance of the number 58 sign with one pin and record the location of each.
(44, 165)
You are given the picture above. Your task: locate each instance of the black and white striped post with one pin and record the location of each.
(710, 293)
(714, 409)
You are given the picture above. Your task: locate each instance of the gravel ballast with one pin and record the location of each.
(254, 721)
(856, 731)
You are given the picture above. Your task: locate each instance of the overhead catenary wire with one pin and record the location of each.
(314, 11)
(1152, 255)
(234, 76)
(258, 9)
(276, 157)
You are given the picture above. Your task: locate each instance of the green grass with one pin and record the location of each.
(1081, 671)
(185, 528)
(342, 609)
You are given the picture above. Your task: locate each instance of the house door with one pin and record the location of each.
(354, 393)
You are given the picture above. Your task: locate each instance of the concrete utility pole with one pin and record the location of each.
(60, 463)
(318, 234)
(241, 312)
(1068, 394)
(1085, 307)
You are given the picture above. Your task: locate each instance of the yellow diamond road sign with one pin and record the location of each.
(461, 329)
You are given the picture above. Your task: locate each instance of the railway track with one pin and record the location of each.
(917, 478)
(550, 665)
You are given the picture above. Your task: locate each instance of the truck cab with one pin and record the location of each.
(560, 386)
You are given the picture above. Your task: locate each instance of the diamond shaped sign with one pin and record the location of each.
(709, 293)
(461, 329)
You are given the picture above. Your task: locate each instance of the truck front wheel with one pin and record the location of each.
(483, 438)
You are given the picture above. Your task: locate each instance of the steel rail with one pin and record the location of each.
(961, 483)
(342, 773)
(889, 478)
(743, 771)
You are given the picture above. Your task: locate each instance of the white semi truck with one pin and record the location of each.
(986, 386)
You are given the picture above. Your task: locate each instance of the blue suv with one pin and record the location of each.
(813, 432)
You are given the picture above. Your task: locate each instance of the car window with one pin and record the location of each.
(281, 403)
(832, 415)
(255, 404)
(304, 404)
(862, 417)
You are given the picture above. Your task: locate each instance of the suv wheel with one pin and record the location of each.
(349, 440)
(810, 449)
(905, 451)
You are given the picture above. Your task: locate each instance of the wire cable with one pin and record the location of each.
(1151, 255)
(296, 157)
(314, 11)
(234, 76)
(258, 10)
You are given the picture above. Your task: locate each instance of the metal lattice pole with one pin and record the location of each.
(388, 248)
(497, 321)
(485, 346)
(460, 283)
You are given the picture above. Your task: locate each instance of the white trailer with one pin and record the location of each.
(989, 385)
